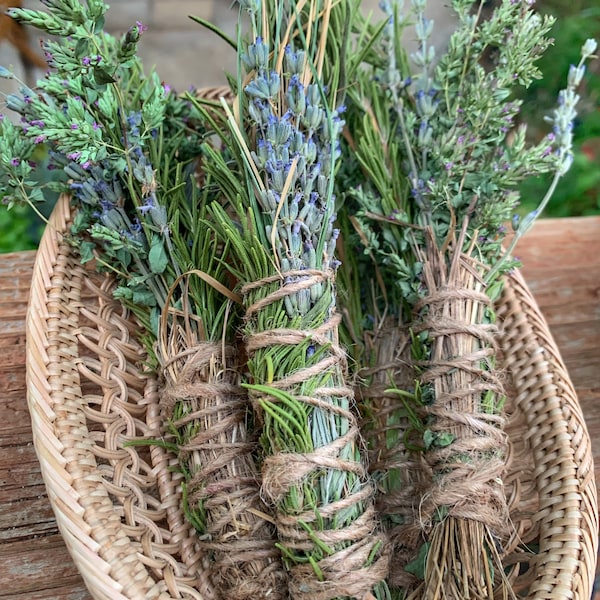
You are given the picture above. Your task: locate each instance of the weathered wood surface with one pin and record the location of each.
(561, 264)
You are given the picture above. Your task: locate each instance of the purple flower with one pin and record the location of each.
(73, 155)
(141, 27)
(96, 126)
(136, 226)
(147, 206)
(74, 126)
(15, 162)
(85, 61)
(39, 139)
(86, 165)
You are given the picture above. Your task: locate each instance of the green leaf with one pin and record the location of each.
(143, 298)
(81, 48)
(86, 251)
(123, 255)
(99, 25)
(417, 566)
(428, 438)
(444, 439)
(157, 257)
(102, 76)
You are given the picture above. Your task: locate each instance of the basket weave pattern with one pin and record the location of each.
(547, 429)
(118, 506)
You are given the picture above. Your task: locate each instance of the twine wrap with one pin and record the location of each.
(360, 555)
(464, 512)
(396, 459)
(218, 456)
(466, 473)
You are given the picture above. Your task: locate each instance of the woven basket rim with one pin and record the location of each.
(568, 532)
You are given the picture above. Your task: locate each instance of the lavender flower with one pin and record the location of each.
(297, 151)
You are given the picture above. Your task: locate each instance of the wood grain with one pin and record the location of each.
(34, 562)
(561, 262)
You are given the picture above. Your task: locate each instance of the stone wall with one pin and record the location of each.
(183, 52)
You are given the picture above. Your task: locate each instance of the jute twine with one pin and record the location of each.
(467, 472)
(238, 536)
(464, 513)
(360, 559)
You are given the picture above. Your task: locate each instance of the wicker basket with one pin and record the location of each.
(118, 507)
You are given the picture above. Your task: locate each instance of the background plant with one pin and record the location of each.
(578, 194)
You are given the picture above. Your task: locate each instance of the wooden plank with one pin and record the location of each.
(36, 565)
(26, 513)
(13, 405)
(34, 561)
(69, 592)
(19, 467)
(561, 263)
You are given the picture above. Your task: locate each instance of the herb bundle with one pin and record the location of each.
(285, 133)
(127, 148)
(440, 161)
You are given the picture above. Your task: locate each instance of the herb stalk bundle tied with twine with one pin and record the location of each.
(285, 127)
(436, 233)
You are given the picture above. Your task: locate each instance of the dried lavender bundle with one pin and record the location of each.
(126, 148)
(285, 133)
(434, 197)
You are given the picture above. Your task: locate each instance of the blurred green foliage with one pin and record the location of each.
(578, 194)
(20, 227)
